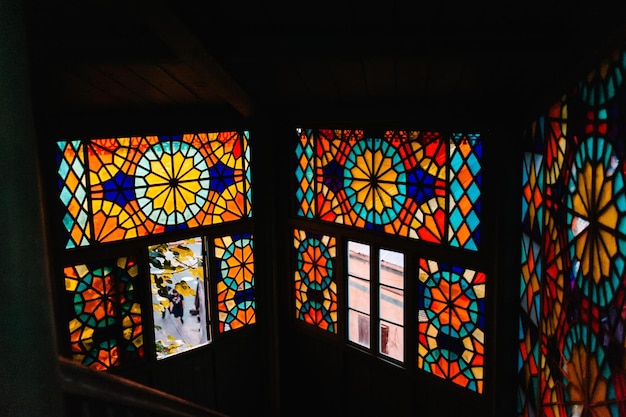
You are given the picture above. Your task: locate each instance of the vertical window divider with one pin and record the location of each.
(375, 299)
(410, 310)
(147, 313)
(341, 278)
(210, 288)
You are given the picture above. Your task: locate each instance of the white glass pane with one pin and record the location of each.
(179, 303)
(391, 293)
(359, 328)
(392, 268)
(359, 260)
(391, 305)
(359, 294)
(392, 340)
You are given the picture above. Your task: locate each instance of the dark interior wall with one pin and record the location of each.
(505, 177)
(328, 379)
(27, 341)
(228, 375)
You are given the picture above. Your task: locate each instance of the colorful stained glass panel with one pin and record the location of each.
(451, 327)
(105, 324)
(236, 298)
(314, 280)
(73, 192)
(121, 188)
(574, 222)
(529, 291)
(465, 178)
(406, 183)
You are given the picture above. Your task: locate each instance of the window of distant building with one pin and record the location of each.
(136, 219)
(396, 194)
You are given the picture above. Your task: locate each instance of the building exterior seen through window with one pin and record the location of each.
(359, 294)
(179, 302)
(389, 299)
(391, 303)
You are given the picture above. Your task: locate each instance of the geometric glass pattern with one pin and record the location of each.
(421, 185)
(574, 258)
(73, 193)
(105, 323)
(177, 283)
(451, 327)
(236, 300)
(529, 291)
(121, 188)
(304, 172)
(465, 185)
(315, 286)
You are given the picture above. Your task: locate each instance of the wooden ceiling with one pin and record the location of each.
(326, 60)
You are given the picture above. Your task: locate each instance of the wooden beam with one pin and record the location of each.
(174, 34)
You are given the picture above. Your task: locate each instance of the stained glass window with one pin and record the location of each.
(451, 323)
(315, 285)
(422, 185)
(179, 302)
(572, 293)
(530, 274)
(236, 299)
(153, 199)
(105, 325)
(120, 188)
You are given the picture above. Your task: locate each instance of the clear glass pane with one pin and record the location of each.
(391, 290)
(179, 302)
(391, 304)
(359, 328)
(392, 268)
(359, 294)
(359, 260)
(391, 340)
